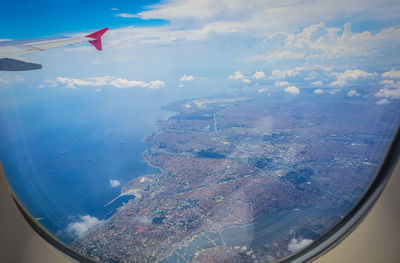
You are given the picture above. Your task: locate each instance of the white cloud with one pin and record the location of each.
(391, 89)
(114, 183)
(277, 55)
(263, 15)
(318, 41)
(187, 77)
(389, 93)
(281, 83)
(318, 91)
(382, 102)
(129, 37)
(239, 76)
(193, 20)
(387, 82)
(394, 74)
(311, 75)
(72, 83)
(181, 86)
(281, 74)
(262, 90)
(80, 228)
(126, 15)
(334, 91)
(126, 84)
(3, 81)
(143, 220)
(296, 244)
(258, 75)
(353, 93)
(343, 78)
(317, 83)
(114, 9)
(121, 83)
(292, 90)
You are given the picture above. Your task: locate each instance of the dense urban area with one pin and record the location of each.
(242, 179)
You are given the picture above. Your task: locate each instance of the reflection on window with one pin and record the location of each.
(207, 132)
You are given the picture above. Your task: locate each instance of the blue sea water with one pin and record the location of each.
(61, 148)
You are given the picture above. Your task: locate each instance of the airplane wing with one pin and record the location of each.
(10, 51)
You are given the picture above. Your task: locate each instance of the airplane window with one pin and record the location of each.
(196, 131)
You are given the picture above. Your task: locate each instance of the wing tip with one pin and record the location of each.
(97, 38)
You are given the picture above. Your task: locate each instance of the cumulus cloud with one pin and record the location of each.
(114, 183)
(394, 74)
(73, 83)
(317, 83)
(193, 20)
(181, 86)
(262, 90)
(296, 244)
(121, 83)
(318, 91)
(389, 93)
(281, 74)
(353, 93)
(125, 84)
(318, 41)
(391, 88)
(334, 91)
(80, 228)
(343, 78)
(387, 82)
(187, 77)
(239, 76)
(258, 75)
(292, 90)
(281, 83)
(382, 102)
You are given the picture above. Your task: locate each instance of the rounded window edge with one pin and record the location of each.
(309, 253)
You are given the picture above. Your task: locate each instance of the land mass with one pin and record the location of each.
(241, 178)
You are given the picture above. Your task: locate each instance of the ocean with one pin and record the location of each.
(60, 149)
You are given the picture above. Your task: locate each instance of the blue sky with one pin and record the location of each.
(221, 45)
(32, 19)
(40, 18)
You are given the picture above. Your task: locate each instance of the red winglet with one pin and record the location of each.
(97, 35)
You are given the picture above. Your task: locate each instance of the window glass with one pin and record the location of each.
(195, 131)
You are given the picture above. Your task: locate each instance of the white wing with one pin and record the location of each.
(11, 50)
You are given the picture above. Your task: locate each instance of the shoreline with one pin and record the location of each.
(150, 164)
